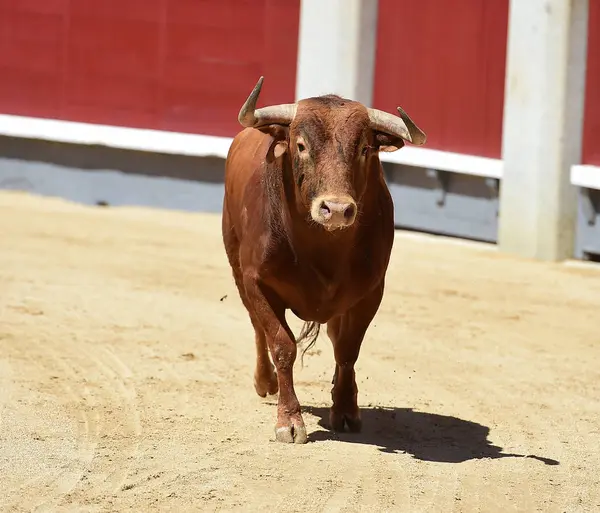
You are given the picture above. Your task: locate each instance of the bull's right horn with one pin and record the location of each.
(402, 126)
(250, 116)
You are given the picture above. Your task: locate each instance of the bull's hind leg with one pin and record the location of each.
(346, 333)
(265, 379)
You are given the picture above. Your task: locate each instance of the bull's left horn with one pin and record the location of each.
(250, 116)
(402, 126)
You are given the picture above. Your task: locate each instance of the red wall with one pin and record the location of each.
(591, 125)
(180, 65)
(444, 63)
(187, 65)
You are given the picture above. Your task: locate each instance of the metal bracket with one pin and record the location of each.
(442, 181)
(588, 205)
(493, 184)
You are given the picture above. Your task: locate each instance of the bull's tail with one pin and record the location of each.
(308, 337)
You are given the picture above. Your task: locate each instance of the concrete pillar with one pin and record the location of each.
(543, 124)
(336, 51)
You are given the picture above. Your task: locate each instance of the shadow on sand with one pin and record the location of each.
(425, 436)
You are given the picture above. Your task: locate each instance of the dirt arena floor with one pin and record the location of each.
(126, 364)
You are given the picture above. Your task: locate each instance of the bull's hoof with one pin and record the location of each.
(266, 385)
(294, 434)
(338, 421)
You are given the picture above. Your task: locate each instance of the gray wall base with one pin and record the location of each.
(424, 200)
(99, 175)
(587, 245)
(444, 203)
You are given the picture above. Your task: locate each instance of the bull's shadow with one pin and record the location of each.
(426, 436)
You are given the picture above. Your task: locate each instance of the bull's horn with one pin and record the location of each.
(402, 126)
(250, 116)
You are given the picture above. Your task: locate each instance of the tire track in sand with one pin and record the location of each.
(45, 489)
(154, 474)
(115, 397)
(121, 376)
(98, 391)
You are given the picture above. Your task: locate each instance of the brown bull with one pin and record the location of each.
(308, 226)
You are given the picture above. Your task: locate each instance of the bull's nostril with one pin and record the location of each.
(349, 212)
(324, 210)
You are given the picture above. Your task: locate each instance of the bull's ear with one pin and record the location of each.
(279, 142)
(280, 148)
(388, 143)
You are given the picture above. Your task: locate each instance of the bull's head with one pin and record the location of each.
(331, 144)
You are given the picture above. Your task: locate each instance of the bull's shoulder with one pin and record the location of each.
(261, 226)
(247, 192)
(248, 145)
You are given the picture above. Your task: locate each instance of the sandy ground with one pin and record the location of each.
(126, 364)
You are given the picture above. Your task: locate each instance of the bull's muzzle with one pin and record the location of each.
(334, 212)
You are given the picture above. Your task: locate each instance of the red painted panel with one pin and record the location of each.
(182, 65)
(591, 125)
(31, 56)
(444, 63)
(113, 62)
(215, 52)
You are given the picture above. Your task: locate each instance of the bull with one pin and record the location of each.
(308, 226)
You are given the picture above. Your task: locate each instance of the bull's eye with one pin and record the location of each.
(301, 147)
(365, 151)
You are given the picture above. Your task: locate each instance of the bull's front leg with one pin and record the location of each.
(270, 312)
(347, 333)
